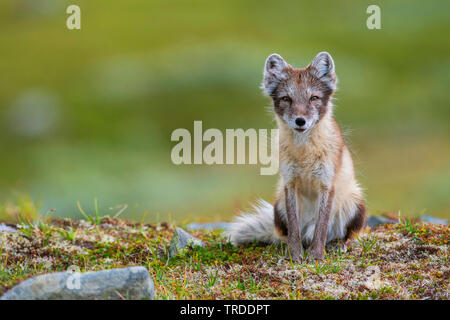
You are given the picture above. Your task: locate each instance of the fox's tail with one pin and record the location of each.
(257, 226)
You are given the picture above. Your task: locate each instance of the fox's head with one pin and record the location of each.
(301, 96)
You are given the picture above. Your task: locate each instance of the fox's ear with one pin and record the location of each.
(274, 72)
(323, 68)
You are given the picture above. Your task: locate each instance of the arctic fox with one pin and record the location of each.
(318, 198)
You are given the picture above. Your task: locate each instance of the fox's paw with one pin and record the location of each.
(293, 258)
(315, 255)
(294, 252)
(345, 246)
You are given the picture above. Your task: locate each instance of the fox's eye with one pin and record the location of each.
(314, 98)
(286, 99)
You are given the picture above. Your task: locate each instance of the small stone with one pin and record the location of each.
(5, 228)
(182, 240)
(132, 283)
(433, 220)
(375, 221)
(208, 226)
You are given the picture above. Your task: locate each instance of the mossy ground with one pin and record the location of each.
(403, 261)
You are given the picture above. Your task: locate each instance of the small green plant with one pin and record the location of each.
(69, 235)
(368, 245)
(46, 231)
(94, 219)
(415, 229)
(328, 266)
(26, 227)
(319, 268)
(159, 274)
(240, 284)
(212, 279)
(408, 225)
(252, 285)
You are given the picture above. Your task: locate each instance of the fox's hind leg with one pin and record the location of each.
(280, 220)
(355, 225)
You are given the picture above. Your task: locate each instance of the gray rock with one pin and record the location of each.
(182, 240)
(433, 220)
(208, 226)
(374, 221)
(4, 227)
(132, 283)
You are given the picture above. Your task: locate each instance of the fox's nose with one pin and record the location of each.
(300, 122)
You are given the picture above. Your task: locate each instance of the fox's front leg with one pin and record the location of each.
(294, 228)
(317, 248)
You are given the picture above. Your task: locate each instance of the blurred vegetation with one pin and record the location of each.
(88, 113)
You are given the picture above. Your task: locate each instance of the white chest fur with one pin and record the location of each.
(309, 172)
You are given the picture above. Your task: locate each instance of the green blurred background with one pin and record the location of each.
(88, 113)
